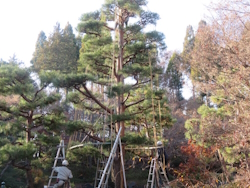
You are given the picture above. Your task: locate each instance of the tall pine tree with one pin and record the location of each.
(113, 49)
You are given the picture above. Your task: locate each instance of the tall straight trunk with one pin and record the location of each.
(120, 108)
(117, 169)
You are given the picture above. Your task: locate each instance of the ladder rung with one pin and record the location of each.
(61, 146)
(59, 157)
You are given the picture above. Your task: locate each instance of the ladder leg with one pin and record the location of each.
(151, 175)
(105, 175)
(61, 148)
(163, 175)
(157, 179)
(123, 170)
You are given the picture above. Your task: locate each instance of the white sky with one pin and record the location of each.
(22, 20)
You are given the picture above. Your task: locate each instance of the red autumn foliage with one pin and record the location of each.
(196, 169)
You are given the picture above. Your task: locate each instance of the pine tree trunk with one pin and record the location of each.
(28, 134)
(117, 169)
(118, 174)
(30, 182)
(28, 128)
(120, 110)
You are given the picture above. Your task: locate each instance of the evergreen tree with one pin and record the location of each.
(27, 120)
(174, 77)
(60, 52)
(188, 46)
(38, 55)
(70, 49)
(108, 56)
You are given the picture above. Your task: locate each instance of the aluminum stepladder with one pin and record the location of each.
(104, 174)
(101, 163)
(151, 174)
(59, 155)
(156, 169)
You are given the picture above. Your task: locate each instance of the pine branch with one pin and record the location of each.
(142, 83)
(132, 56)
(94, 137)
(5, 109)
(136, 83)
(12, 113)
(91, 108)
(126, 98)
(92, 33)
(96, 100)
(6, 119)
(137, 102)
(24, 167)
(5, 168)
(109, 28)
(25, 98)
(129, 58)
(35, 127)
(140, 111)
(39, 91)
(22, 113)
(42, 115)
(83, 93)
(104, 71)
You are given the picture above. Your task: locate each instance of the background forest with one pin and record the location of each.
(117, 73)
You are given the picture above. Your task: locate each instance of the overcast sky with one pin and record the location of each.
(22, 20)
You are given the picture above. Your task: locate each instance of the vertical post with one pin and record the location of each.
(123, 169)
(151, 75)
